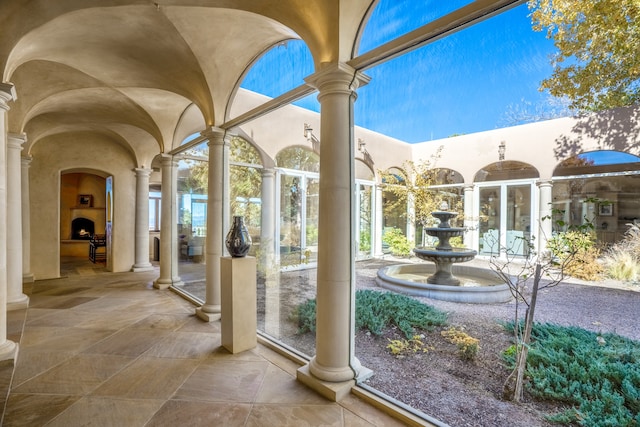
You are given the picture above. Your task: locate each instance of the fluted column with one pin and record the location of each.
(470, 232)
(142, 221)
(169, 226)
(545, 188)
(210, 310)
(8, 348)
(334, 360)
(16, 299)
(27, 275)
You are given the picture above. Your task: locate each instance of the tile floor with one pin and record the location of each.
(107, 349)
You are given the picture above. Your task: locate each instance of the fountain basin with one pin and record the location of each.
(477, 285)
(444, 258)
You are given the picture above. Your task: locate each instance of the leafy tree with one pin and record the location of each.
(597, 65)
(411, 183)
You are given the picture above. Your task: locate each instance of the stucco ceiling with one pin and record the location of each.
(134, 70)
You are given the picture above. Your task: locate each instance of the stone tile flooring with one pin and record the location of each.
(107, 349)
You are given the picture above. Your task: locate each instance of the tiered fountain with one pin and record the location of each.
(473, 284)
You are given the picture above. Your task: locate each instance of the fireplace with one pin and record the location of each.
(82, 229)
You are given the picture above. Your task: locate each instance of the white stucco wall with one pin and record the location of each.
(78, 151)
(543, 145)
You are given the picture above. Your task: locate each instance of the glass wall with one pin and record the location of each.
(601, 188)
(193, 171)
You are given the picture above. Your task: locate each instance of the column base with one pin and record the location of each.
(208, 316)
(18, 303)
(334, 391)
(141, 267)
(8, 350)
(28, 278)
(167, 283)
(341, 380)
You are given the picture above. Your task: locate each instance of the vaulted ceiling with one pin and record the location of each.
(137, 70)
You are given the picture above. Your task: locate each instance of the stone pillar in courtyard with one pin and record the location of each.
(16, 299)
(470, 232)
(545, 190)
(8, 348)
(378, 222)
(267, 220)
(218, 150)
(27, 275)
(142, 221)
(334, 368)
(169, 226)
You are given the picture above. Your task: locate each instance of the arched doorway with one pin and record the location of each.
(83, 213)
(506, 208)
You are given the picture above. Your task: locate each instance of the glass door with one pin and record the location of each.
(291, 194)
(310, 244)
(489, 221)
(518, 217)
(364, 219)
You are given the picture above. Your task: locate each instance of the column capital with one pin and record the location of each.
(268, 172)
(168, 160)
(15, 140)
(337, 78)
(215, 135)
(468, 187)
(7, 93)
(26, 161)
(545, 183)
(143, 171)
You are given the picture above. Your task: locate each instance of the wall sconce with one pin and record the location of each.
(361, 144)
(308, 132)
(502, 148)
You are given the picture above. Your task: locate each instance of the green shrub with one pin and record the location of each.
(597, 374)
(398, 243)
(376, 311)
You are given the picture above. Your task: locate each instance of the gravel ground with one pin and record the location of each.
(463, 393)
(439, 383)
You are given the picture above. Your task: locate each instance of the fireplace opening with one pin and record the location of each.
(82, 229)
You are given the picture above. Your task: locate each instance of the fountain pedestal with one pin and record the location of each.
(443, 255)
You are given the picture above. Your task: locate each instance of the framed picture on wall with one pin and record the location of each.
(605, 209)
(85, 200)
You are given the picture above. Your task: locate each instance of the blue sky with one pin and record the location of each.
(461, 84)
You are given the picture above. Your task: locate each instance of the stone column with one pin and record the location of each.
(16, 299)
(545, 189)
(378, 221)
(471, 232)
(8, 348)
(27, 275)
(411, 216)
(142, 221)
(169, 226)
(210, 310)
(334, 361)
(267, 221)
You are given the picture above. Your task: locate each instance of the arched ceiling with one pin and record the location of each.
(133, 68)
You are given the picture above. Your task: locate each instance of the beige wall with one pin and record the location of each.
(543, 145)
(82, 152)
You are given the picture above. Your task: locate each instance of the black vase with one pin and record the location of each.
(238, 240)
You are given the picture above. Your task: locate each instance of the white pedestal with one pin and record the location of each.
(238, 303)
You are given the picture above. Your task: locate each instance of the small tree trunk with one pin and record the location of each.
(523, 350)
